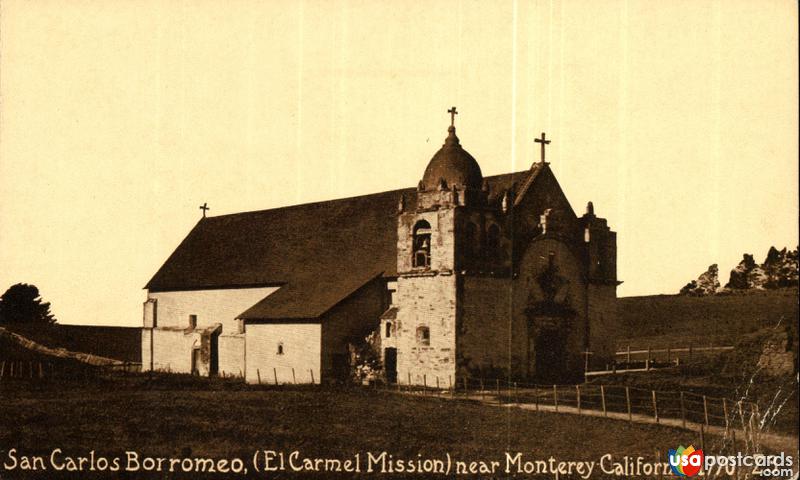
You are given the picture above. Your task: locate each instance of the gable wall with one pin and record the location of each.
(211, 306)
(543, 194)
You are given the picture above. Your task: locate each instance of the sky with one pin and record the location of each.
(118, 119)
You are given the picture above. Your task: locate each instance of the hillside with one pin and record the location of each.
(120, 343)
(709, 319)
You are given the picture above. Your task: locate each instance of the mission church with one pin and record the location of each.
(464, 276)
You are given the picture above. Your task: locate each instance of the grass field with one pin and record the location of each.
(664, 321)
(183, 416)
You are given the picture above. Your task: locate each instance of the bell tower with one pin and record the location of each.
(427, 264)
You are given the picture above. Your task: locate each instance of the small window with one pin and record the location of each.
(388, 329)
(423, 335)
(193, 321)
(280, 348)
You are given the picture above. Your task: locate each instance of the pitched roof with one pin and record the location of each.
(319, 252)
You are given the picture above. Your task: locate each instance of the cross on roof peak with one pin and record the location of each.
(453, 112)
(204, 207)
(543, 142)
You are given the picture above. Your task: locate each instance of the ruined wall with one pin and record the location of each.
(301, 344)
(777, 357)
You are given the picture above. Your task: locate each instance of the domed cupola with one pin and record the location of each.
(453, 165)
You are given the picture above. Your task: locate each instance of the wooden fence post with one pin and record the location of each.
(424, 382)
(409, 380)
(275, 374)
(629, 356)
(294, 379)
(647, 362)
(683, 412)
(465, 386)
(2, 368)
(603, 399)
(628, 402)
(705, 409)
(578, 397)
(311, 371)
(725, 412)
(555, 397)
(702, 437)
(655, 406)
(437, 385)
(258, 375)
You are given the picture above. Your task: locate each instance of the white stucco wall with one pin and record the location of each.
(173, 350)
(210, 306)
(172, 346)
(231, 355)
(301, 352)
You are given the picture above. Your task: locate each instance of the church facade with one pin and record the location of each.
(463, 277)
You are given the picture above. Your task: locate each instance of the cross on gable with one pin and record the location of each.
(204, 207)
(543, 142)
(453, 112)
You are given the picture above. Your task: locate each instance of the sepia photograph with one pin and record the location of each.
(551, 239)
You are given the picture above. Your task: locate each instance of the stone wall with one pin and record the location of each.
(301, 344)
(570, 293)
(442, 224)
(426, 300)
(604, 326)
(777, 357)
(490, 344)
